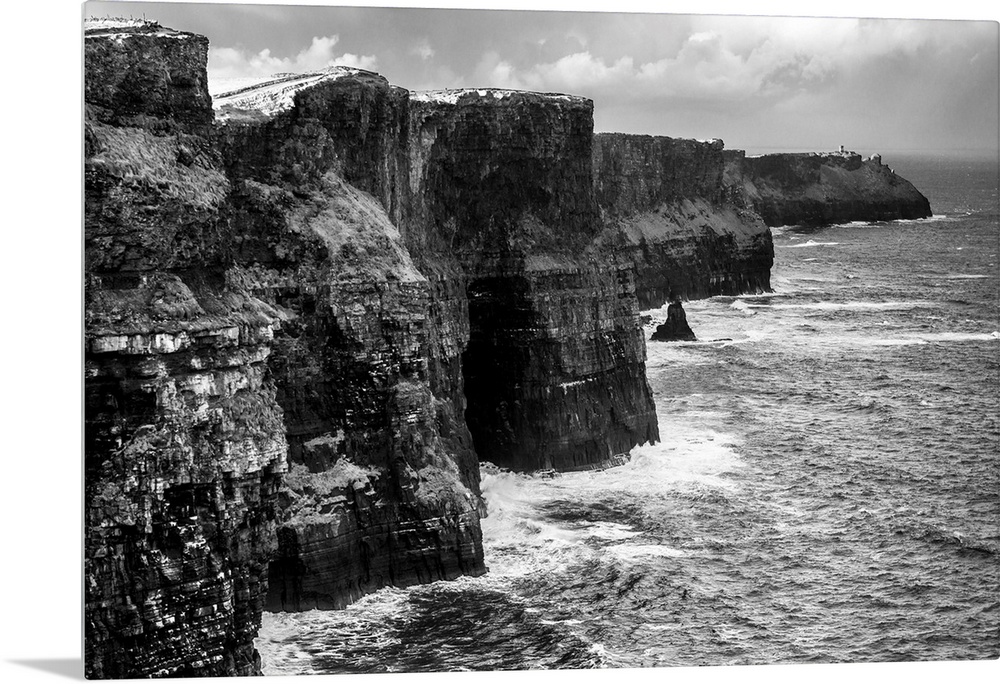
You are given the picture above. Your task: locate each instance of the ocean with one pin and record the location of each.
(827, 487)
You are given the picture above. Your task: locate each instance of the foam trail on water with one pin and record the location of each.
(809, 243)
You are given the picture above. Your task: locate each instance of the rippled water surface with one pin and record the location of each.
(827, 488)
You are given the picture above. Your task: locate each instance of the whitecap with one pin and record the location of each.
(851, 305)
(742, 306)
(633, 551)
(611, 531)
(811, 243)
(908, 340)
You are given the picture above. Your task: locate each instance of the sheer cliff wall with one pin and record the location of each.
(555, 366)
(383, 487)
(184, 439)
(672, 208)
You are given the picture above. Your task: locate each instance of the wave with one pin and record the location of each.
(851, 305)
(743, 307)
(908, 340)
(810, 243)
(548, 524)
(935, 218)
(629, 552)
(962, 542)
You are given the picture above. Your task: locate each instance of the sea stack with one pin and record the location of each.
(675, 328)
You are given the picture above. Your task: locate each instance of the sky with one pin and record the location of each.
(759, 83)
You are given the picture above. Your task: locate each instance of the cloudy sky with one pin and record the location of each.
(760, 83)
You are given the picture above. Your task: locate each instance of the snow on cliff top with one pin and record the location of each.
(94, 23)
(452, 96)
(121, 27)
(269, 94)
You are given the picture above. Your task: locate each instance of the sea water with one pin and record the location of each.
(827, 487)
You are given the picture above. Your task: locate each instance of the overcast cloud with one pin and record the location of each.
(756, 82)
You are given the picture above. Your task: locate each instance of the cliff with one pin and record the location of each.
(184, 439)
(671, 209)
(305, 324)
(384, 485)
(817, 189)
(555, 367)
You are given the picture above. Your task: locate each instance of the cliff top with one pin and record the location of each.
(455, 96)
(270, 95)
(121, 27)
(802, 155)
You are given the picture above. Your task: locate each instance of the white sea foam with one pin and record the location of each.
(851, 305)
(742, 306)
(633, 551)
(660, 627)
(907, 340)
(810, 243)
(611, 531)
(935, 218)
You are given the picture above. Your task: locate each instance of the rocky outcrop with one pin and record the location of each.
(673, 210)
(824, 188)
(675, 328)
(138, 70)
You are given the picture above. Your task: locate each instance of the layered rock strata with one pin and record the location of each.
(555, 367)
(384, 484)
(184, 440)
(824, 188)
(677, 213)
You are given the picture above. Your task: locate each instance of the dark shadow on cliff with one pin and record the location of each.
(70, 668)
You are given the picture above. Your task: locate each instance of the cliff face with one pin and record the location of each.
(672, 210)
(184, 441)
(384, 484)
(147, 72)
(555, 366)
(816, 189)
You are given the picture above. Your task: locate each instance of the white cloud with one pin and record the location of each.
(423, 50)
(724, 60)
(229, 63)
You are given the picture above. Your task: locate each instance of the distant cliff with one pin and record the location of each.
(823, 188)
(671, 208)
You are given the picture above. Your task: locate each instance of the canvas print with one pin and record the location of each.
(426, 340)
